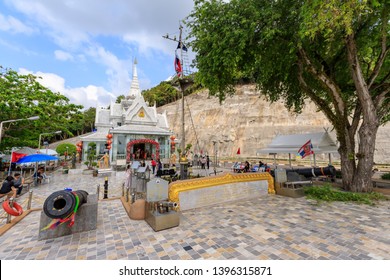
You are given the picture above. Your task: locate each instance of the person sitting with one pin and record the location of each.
(7, 188)
(18, 183)
(247, 166)
(40, 175)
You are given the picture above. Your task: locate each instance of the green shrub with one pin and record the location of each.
(386, 176)
(327, 193)
(66, 147)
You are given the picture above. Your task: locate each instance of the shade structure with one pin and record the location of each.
(36, 158)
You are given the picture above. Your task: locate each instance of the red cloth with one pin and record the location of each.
(238, 151)
(17, 156)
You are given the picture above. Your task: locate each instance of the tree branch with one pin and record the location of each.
(356, 118)
(321, 104)
(378, 64)
(381, 98)
(363, 94)
(384, 49)
(327, 82)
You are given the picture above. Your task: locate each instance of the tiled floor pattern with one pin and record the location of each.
(271, 227)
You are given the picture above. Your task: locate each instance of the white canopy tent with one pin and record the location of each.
(290, 144)
(49, 152)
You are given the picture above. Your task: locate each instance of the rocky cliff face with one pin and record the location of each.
(249, 122)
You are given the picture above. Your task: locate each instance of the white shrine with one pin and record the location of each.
(136, 130)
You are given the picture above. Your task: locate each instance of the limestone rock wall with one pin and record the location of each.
(249, 122)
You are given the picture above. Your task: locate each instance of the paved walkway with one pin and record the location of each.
(272, 227)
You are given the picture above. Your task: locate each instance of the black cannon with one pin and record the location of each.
(315, 172)
(61, 204)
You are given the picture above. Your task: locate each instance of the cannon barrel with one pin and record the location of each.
(61, 204)
(316, 171)
(168, 204)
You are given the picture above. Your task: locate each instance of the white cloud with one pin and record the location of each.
(64, 56)
(14, 25)
(72, 23)
(82, 31)
(89, 96)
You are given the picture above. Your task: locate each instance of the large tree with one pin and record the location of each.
(22, 96)
(333, 52)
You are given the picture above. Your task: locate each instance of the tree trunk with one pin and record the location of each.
(356, 169)
(348, 168)
(363, 174)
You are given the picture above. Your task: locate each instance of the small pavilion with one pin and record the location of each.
(290, 144)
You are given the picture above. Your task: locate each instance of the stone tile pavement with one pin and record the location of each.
(271, 227)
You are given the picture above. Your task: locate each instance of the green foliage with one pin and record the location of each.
(22, 96)
(66, 147)
(166, 93)
(88, 121)
(329, 194)
(120, 98)
(335, 53)
(386, 176)
(263, 41)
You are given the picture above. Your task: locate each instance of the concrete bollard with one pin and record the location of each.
(29, 199)
(98, 191)
(11, 203)
(127, 194)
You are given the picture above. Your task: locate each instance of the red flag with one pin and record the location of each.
(306, 149)
(17, 156)
(238, 151)
(178, 68)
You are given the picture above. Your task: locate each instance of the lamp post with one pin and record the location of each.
(17, 120)
(215, 157)
(46, 133)
(1, 134)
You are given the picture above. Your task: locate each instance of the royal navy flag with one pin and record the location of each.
(182, 46)
(306, 149)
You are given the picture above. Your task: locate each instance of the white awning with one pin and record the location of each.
(290, 144)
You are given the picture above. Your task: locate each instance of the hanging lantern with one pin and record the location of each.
(109, 147)
(109, 136)
(109, 142)
(78, 149)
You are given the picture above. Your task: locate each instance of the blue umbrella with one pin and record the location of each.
(36, 158)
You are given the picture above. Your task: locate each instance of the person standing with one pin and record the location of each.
(128, 176)
(154, 163)
(208, 162)
(159, 168)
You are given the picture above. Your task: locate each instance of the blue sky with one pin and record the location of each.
(84, 49)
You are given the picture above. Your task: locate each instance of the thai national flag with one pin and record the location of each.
(178, 68)
(306, 149)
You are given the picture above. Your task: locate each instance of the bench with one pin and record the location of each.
(104, 172)
(295, 184)
(380, 183)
